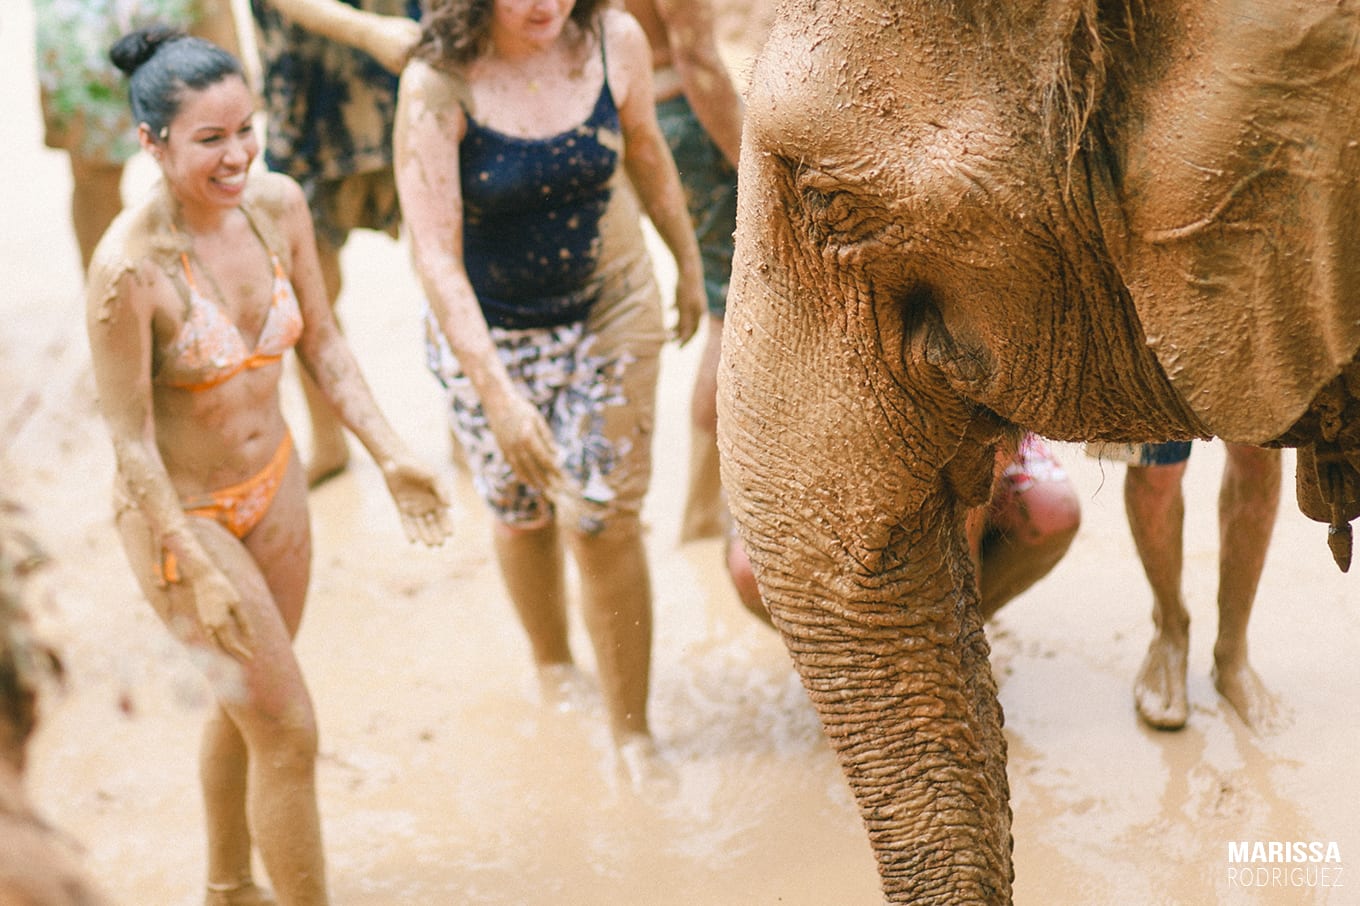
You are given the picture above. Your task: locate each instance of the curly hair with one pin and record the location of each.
(456, 32)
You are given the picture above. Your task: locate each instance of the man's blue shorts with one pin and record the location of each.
(710, 186)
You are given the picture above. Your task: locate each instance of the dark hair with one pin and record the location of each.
(161, 62)
(456, 31)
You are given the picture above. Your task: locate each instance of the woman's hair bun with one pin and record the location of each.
(135, 48)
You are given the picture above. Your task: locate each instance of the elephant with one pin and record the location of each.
(1098, 220)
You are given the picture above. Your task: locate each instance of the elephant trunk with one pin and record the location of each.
(863, 566)
(898, 672)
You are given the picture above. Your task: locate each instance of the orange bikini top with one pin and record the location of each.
(210, 349)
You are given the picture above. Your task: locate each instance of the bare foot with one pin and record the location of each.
(563, 687)
(1159, 690)
(703, 518)
(1249, 697)
(242, 894)
(643, 765)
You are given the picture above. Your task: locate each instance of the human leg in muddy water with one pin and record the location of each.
(1247, 505)
(1248, 500)
(530, 561)
(616, 603)
(258, 752)
(705, 512)
(330, 452)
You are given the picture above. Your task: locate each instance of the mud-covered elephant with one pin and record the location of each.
(1107, 220)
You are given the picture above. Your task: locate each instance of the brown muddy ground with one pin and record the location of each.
(442, 781)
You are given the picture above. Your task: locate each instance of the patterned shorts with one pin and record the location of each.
(594, 381)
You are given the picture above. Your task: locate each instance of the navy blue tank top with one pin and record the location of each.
(532, 209)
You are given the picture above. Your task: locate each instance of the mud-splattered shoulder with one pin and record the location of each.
(438, 88)
(141, 243)
(270, 200)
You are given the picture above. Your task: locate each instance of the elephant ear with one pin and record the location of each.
(1240, 193)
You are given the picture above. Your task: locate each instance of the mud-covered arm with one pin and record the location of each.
(650, 166)
(323, 351)
(121, 298)
(387, 39)
(216, 22)
(430, 124)
(703, 74)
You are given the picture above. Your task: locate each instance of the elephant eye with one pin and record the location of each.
(833, 211)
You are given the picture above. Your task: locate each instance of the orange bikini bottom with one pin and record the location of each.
(238, 508)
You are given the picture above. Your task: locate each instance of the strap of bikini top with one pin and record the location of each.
(250, 219)
(188, 272)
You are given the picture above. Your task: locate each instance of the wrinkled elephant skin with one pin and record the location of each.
(958, 219)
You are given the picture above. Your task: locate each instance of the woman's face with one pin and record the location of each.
(210, 145)
(534, 22)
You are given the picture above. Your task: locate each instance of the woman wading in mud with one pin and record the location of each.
(194, 295)
(522, 130)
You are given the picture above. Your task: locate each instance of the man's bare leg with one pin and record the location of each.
(330, 453)
(705, 513)
(1155, 506)
(96, 198)
(1248, 501)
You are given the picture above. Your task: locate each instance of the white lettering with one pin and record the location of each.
(1275, 876)
(1272, 851)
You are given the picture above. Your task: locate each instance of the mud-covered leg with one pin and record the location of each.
(616, 598)
(96, 198)
(222, 767)
(531, 566)
(330, 452)
(1248, 501)
(1155, 506)
(705, 513)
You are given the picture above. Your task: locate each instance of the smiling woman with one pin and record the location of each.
(193, 298)
(523, 129)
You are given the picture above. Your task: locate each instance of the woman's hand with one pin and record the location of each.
(421, 500)
(218, 605)
(690, 305)
(527, 443)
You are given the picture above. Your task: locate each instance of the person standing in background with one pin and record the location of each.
(194, 295)
(1248, 501)
(526, 137)
(84, 96)
(700, 114)
(329, 71)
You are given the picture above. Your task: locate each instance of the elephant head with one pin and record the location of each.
(951, 224)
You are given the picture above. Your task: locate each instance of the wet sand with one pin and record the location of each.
(443, 781)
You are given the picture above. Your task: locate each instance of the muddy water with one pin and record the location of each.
(442, 779)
